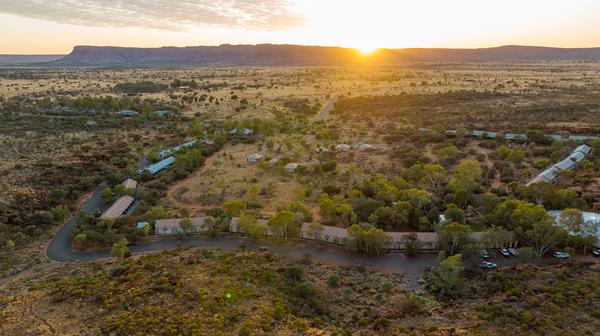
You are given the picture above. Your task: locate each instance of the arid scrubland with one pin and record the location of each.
(444, 148)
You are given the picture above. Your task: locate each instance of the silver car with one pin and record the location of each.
(561, 255)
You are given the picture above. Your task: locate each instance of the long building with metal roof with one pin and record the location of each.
(581, 137)
(119, 207)
(167, 152)
(156, 168)
(551, 174)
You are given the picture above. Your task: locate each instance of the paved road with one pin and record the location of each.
(325, 111)
(59, 248)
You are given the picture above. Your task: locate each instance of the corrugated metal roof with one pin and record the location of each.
(577, 156)
(159, 166)
(487, 134)
(585, 149)
(588, 217)
(118, 208)
(515, 136)
(565, 164)
(581, 137)
(176, 149)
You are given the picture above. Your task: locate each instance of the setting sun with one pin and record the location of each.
(367, 50)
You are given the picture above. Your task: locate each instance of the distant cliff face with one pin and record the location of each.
(295, 55)
(221, 55)
(27, 59)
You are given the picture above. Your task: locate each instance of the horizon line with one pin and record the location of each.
(300, 45)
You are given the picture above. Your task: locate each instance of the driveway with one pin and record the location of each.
(325, 111)
(59, 248)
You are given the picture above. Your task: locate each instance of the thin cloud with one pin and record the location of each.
(172, 15)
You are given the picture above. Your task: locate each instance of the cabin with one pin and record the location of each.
(130, 183)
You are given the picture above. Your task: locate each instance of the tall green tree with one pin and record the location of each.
(315, 230)
(282, 223)
(543, 236)
(447, 279)
(119, 249)
(466, 176)
(234, 208)
(452, 237)
(186, 225)
(497, 236)
(107, 195)
(412, 244)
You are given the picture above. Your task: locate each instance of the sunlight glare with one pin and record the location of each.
(367, 50)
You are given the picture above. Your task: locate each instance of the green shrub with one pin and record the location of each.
(333, 280)
(410, 305)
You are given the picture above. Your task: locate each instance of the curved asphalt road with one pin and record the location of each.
(59, 249)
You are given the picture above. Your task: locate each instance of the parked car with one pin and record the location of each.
(504, 252)
(484, 254)
(561, 255)
(596, 252)
(513, 251)
(488, 265)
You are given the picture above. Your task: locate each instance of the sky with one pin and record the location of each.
(55, 26)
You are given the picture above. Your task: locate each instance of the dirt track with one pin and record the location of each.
(193, 208)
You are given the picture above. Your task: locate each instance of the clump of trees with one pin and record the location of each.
(368, 239)
(140, 87)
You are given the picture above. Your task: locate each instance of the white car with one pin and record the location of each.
(488, 265)
(561, 255)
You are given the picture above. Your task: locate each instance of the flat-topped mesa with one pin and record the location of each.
(298, 55)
